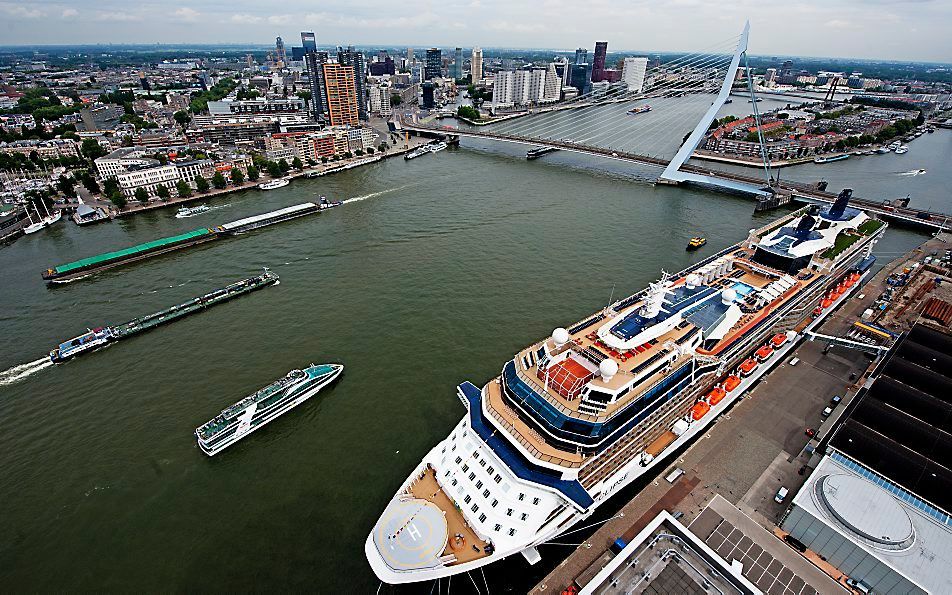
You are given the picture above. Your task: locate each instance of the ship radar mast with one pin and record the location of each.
(654, 299)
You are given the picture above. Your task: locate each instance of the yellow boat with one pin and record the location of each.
(695, 243)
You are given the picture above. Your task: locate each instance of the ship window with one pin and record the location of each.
(485, 493)
(482, 518)
(512, 532)
(475, 507)
(535, 501)
(508, 512)
(524, 516)
(465, 468)
(498, 478)
(497, 527)
(468, 499)
(495, 502)
(482, 462)
(458, 460)
(447, 474)
(490, 470)
(454, 482)
(521, 496)
(454, 448)
(472, 476)
(479, 485)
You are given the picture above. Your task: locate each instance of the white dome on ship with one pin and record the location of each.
(692, 280)
(608, 368)
(729, 296)
(560, 336)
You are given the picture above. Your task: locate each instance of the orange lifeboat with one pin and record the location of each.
(714, 397)
(855, 277)
(731, 382)
(747, 368)
(778, 340)
(763, 353)
(699, 410)
(826, 303)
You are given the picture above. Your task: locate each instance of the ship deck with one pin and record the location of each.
(472, 547)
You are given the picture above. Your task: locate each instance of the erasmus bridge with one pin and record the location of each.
(685, 95)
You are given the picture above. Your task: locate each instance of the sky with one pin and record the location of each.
(885, 29)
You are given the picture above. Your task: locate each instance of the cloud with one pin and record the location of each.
(22, 12)
(508, 27)
(187, 14)
(279, 19)
(69, 13)
(117, 17)
(245, 19)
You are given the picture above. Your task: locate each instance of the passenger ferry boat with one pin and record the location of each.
(186, 212)
(274, 184)
(695, 243)
(264, 406)
(577, 416)
(831, 158)
(92, 339)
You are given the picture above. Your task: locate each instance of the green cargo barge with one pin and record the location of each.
(87, 266)
(98, 337)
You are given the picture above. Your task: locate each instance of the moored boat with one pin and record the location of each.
(274, 184)
(191, 211)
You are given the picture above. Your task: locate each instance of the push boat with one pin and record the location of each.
(695, 243)
(264, 406)
(577, 416)
(323, 204)
(274, 184)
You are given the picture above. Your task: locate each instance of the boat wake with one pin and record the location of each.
(912, 172)
(190, 215)
(18, 373)
(373, 194)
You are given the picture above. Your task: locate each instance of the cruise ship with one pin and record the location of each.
(256, 410)
(575, 417)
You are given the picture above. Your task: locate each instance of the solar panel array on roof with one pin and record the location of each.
(901, 426)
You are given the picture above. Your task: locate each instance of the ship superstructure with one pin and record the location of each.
(575, 417)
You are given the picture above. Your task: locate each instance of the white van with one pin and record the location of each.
(795, 361)
(781, 495)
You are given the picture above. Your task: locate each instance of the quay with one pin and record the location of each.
(759, 445)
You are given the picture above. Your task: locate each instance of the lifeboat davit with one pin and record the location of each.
(763, 353)
(778, 340)
(748, 367)
(731, 382)
(699, 410)
(715, 396)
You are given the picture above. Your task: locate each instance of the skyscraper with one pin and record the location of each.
(309, 41)
(458, 64)
(633, 73)
(581, 56)
(429, 90)
(409, 54)
(434, 64)
(280, 53)
(598, 63)
(354, 59)
(341, 94)
(476, 68)
(582, 77)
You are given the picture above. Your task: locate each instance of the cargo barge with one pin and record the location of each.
(65, 273)
(250, 223)
(99, 337)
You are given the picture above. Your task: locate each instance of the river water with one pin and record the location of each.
(435, 272)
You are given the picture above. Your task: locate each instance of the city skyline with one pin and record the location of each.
(850, 28)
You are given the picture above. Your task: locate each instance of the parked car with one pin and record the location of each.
(795, 543)
(835, 400)
(859, 586)
(781, 495)
(810, 432)
(827, 412)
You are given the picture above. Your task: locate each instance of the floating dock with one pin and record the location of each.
(78, 269)
(98, 337)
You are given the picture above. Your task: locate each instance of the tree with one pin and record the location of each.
(92, 149)
(305, 95)
(383, 147)
(141, 195)
(162, 191)
(324, 159)
(110, 185)
(118, 199)
(274, 170)
(468, 112)
(237, 178)
(284, 166)
(201, 184)
(359, 152)
(395, 100)
(370, 150)
(218, 180)
(65, 185)
(297, 164)
(183, 189)
(348, 155)
(90, 183)
(253, 173)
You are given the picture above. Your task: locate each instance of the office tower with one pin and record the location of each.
(280, 52)
(564, 70)
(633, 73)
(354, 59)
(787, 68)
(315, 75)
(309, 41)
(297, 53)
(458, 64)
(476, 68)
(434, 64)
(429, 91)
(341, 94)
(409, 54)
(582, 77)
(598, 63)
(581, 56)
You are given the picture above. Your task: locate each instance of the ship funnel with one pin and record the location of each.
(839, 205)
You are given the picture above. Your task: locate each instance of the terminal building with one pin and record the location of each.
(877, 506)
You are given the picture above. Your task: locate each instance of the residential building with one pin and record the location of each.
(429, 91)
(291, 105)
(191, 169)
(315, 62)
(458, 64)
(123, 159)
(148, 178)
(434, 64)
(354, 59)
(342, 104)
(525, 87)
(45, 149)
(380, 100)
(360, 139)
(598, 63)
(476, 66)
(553, 84)
(633, 73)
